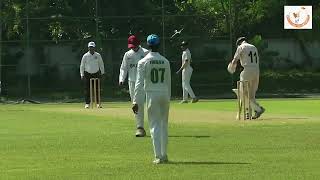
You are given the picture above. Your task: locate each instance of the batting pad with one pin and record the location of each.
(235, 91)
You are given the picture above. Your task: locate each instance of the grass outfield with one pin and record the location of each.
(65, 141)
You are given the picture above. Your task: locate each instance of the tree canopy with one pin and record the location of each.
(79, 19)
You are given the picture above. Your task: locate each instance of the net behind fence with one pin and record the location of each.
(41, 58)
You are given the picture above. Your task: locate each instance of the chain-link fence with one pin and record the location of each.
(33, 65)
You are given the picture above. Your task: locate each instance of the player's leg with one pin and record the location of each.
(154, 114)
(184, 90)
(253, 88)
(257, 108)
(140, 119)
(165, 103)
(188, 74)
(140, 132)
(131, 85)
(86, 82)
(140, 115)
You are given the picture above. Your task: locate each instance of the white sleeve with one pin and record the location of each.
(82, 64)
(139, 86)
(237, 54)
(145, 51)
(258, 55)
(123, 69)
(184, 56)
(169, 80)
(101, 65)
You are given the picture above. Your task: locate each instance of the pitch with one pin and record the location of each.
(65, 141)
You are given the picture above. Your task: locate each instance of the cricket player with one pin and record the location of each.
(129, 67)
(154, 78)
(186, 74)
(248, 56)
(91, 66)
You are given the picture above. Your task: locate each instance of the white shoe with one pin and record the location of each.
(235, 91)
(183, 102)
(99, 106)
(86, 106)
(194, 100)
(163, 160)
(140, 132)
(157, 161)
(258, 114)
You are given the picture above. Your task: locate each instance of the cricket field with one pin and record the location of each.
(66, 141)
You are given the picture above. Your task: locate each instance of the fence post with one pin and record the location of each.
(163, 28)
(230, 34)
(28, 50)
(1, 84)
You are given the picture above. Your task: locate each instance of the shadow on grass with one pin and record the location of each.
(206, 163)
(281, 118)
(186, 136)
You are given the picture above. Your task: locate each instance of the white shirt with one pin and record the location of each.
(91, 63)
(186, 57)
(153, 74)
(129, 64)
(248, 55)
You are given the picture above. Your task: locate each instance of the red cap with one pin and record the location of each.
(133, 42)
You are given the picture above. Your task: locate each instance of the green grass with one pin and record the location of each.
(65, 141)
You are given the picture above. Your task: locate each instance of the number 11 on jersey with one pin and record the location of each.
(255, 55)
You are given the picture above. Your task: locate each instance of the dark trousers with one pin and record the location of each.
(86, 81)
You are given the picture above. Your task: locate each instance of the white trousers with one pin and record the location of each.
(252, 76)
(186, 88)
(140, 115)
(158, 111)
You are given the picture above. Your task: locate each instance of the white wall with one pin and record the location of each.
(290, 49)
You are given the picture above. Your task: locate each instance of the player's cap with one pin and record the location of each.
(239, 40)
(184, 43)
(133, 41)
(153, 40)
(91, 44)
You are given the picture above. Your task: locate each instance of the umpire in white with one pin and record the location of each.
(154, 78)
(91, 66)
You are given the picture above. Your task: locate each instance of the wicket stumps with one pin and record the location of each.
(244, 100)
(94, 92)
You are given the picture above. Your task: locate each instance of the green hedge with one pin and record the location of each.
(290, 81)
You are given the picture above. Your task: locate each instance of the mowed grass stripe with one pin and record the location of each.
(67, 142)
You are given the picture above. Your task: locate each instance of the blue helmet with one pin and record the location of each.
(153, 40)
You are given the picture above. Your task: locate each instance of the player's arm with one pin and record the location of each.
(233, 64)
(123, 69)
(145, 51)
(258, 57)
(185, 60)
(101, 65)
(138, 90)
(169, 80)
(82, 64)
(183, 66)
(236, 56)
